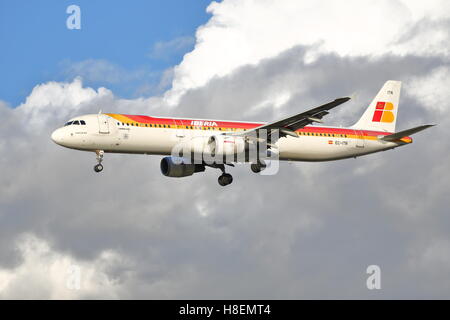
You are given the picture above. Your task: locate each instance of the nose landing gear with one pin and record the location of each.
(99, 167)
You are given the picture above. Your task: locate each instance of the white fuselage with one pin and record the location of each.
(115, 134)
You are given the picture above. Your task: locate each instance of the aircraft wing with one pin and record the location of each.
(289, 125)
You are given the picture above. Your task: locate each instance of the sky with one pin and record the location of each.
(308, 232)
(139, 38)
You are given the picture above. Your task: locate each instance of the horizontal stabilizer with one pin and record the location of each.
(405, 133)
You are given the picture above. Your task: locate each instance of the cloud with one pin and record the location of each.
(164, 49)
(95, 70)
(247, 32)
(207, 237)
(137, 82)
(432, 91)
(55, 275)
(61, 98)
(308, 232)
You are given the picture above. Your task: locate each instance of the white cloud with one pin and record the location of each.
(281, 236)
(51, 98)
(243, 32)
(190, 237)
(94, 70)
(436, 255)
(163, 49)
(433, 89)
(47, 274)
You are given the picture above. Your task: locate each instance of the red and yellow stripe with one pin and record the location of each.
(188, 124)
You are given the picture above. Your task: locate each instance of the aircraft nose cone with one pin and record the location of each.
(57, 136)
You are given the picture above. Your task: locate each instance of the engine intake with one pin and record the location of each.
(175, 167)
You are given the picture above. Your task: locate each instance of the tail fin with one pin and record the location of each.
(382, 112)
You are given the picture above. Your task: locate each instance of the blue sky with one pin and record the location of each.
(120, 36)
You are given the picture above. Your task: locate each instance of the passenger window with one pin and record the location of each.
(82, 122)
(76, 122)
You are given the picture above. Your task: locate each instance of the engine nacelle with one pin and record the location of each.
(223, 146)
(175, 167)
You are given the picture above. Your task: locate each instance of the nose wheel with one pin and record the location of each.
(99, 167)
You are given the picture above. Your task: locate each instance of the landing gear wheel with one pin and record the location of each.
(258, 167)
(225, 179)
(255, 168)
(98, 167)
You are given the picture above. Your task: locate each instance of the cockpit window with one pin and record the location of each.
(76, 122)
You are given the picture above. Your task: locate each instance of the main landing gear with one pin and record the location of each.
(258, 167)
(99, 167)
(225, 178)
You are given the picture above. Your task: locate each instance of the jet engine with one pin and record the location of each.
(177, 168)
(222, 146)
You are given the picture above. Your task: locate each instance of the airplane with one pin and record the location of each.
(290, 139)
